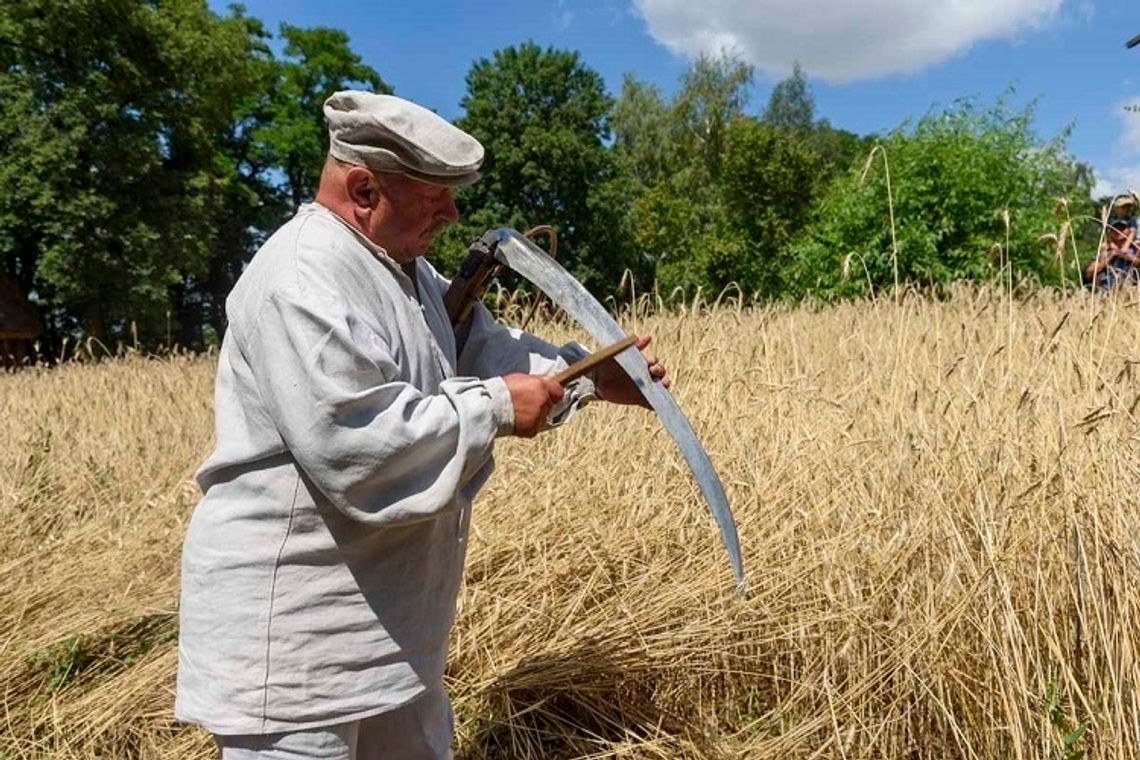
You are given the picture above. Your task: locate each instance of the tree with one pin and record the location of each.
(274, 147)
(291, 134)
(769, 185)
(641, 127)
(543, 118)
(656, 139)
(108, 110)
(791, 107)
(676, 150)
(791, 104)
(713, 92)
(837, 150)
(146, 149)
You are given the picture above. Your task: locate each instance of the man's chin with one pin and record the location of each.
(425, 242)
(433, 232)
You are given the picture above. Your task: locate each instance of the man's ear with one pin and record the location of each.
(361, 188)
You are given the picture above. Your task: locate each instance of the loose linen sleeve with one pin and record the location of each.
(490, 349)
(378, 448)
(486, 348)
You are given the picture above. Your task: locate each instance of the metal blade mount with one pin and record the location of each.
(571, 296)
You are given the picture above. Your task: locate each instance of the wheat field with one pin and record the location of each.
(937, 503)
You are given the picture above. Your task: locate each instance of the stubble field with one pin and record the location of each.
(937, 503)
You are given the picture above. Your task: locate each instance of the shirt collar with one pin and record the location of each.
(375, 250)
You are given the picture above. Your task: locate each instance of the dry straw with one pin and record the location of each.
(937, 503)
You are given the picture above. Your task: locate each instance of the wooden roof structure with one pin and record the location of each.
(18, 320)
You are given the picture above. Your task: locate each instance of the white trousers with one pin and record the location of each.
(419, 730)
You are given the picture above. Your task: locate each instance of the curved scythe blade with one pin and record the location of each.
(545, 273)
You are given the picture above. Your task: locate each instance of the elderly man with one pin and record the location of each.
(321, 568)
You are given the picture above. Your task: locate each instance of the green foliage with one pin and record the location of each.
(972, 190)
(724, 193)
(147, 149)
(769, 183)
(791, 104)
(836, 150)
(273, 149)
(62, 662)
(102, 652)
(106, 115)
(713, 93)
(674, 152)
(291, 132)
(736, 230)
(543, 118)
(641, 132)
(1070, 736)
(681, 232)
(141, 146)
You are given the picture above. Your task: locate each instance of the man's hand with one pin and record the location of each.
(614, 385)
(533, 396)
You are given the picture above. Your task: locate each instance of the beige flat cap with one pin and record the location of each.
(390, 134)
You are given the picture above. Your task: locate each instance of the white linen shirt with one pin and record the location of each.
(321, 567)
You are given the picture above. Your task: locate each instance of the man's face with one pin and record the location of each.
(409, 214)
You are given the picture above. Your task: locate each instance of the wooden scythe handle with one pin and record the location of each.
(582, 366)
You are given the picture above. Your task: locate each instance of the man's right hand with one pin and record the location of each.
(533, 396)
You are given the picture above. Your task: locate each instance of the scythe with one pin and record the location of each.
(506, 247)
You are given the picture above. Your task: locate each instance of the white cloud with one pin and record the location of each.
(563, 17)
(1125, 174)
(1117, 180)
(839, 40)
(1130, 126)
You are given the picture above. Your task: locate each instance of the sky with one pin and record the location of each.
(871, 64)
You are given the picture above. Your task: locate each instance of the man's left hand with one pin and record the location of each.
(614, 385)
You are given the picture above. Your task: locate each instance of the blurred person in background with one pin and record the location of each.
(1118, 261)
(1123, 212)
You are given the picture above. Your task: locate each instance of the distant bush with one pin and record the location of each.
(973, 191)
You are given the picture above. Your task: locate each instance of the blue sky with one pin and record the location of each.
(872, 63)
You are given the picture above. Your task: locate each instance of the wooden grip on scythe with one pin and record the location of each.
(582, 366)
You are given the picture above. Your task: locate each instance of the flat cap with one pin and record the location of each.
(390, 134)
